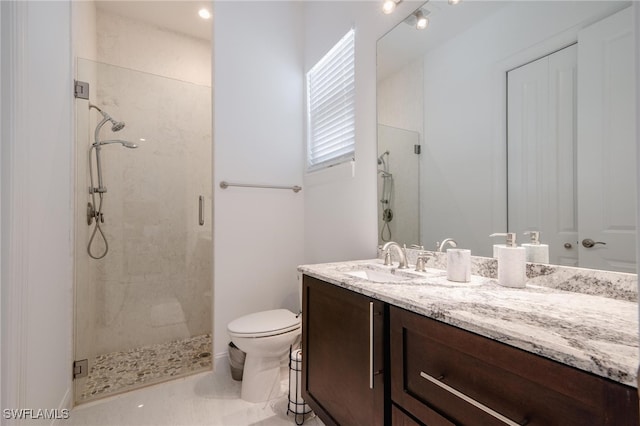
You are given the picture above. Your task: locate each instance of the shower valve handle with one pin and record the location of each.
(99, 190)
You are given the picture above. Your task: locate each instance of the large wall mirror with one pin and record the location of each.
(511, 116)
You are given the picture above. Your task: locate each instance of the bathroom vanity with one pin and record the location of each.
(385, 346)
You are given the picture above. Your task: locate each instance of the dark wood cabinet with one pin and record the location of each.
(344, 344)
(366, 363)
(444, 375)
(400, 418)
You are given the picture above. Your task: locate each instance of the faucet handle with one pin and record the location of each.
(421, 262)
(387, 258)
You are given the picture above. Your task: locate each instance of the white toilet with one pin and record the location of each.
(265, 337)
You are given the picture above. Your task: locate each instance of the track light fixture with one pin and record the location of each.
(454, 2)
(390, 5)
(418, 19)
(421, 20)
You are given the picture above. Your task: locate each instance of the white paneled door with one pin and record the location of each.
(541, 131)
(607, 152)
(571, 148)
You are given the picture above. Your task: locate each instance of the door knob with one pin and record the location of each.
(588, 243)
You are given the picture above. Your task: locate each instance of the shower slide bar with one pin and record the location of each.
(225, 185)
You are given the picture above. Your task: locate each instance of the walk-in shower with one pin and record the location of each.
(386, 196)
(95, 213)
(142, 311)
(398, 181)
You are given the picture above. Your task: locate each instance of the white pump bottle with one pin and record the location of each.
(512, 267)
(536, 252)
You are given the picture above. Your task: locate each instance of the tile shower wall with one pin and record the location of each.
(154, 285)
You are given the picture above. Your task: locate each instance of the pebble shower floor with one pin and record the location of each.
(117, 372)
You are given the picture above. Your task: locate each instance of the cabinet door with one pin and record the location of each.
(343, 344)
(439, 371)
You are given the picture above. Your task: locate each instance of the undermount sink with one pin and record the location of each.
(378, 276)
(377, 273)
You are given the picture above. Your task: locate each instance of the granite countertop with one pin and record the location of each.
(594, 333)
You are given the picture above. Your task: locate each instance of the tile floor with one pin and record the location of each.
(202, 399)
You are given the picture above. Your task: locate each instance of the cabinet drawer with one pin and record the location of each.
(429, 417)
(399, 418)
(471, 380)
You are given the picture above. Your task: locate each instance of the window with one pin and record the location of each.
(330, 106)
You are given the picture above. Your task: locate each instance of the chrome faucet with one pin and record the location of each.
(446, 241)
(402, 254)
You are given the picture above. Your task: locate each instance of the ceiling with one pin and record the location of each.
(405, 43)
(175, 15)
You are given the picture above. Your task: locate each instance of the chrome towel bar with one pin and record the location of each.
(225, 185)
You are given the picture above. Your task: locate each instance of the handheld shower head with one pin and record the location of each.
(126, 144)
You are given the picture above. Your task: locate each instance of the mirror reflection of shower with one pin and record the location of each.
(386, 196)
(93, 213)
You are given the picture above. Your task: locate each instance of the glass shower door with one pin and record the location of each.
(143, 311)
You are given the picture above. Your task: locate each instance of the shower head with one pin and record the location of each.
(126, 144)
(116, 126)
(380, 159)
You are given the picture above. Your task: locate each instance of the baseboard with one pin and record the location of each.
(220, 362)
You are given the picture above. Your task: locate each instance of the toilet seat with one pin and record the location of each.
(265, 323)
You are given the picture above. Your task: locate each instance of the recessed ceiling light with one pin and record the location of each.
(204, 13)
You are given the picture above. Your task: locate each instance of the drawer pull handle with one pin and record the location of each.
(470, 400)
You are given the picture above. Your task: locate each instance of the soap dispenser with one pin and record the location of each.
(512, 267)
(536, 252)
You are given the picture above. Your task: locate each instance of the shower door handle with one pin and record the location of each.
(201, 210)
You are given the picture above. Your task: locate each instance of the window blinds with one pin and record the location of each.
(330, 106)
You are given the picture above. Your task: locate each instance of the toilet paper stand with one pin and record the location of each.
(297, 406)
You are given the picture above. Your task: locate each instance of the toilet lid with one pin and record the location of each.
(267, 322)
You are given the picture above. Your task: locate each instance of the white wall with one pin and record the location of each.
(84, 35)
(340, 202)
(258, 233)
(137, 45)
(400, 98)
(465, 150)
(37, 239)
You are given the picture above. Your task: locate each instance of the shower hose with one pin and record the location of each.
(97, 215)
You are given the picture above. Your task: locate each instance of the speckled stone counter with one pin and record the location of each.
(578, 318)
